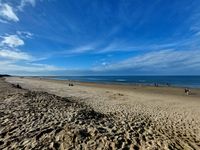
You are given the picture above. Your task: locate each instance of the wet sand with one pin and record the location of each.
(51, 114)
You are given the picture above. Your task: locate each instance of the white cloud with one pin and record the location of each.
(165, 60)
(26, 2)
(27, 69)
(12, 41)
(84, 48)
(15, 55)
(4, 63)
(104, 63)
(3, 21)
(44, 67)
(24, 34)
(7, 13)
(121, 46)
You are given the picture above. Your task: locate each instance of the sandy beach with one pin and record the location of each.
(50, 114)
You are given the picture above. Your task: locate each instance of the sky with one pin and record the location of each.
(100, 37)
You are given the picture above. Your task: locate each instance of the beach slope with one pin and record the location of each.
(49, 113)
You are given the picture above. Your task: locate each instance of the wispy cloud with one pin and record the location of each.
(103, 47)
(123, 47)
(44, 67)
(23, 3)
(12, 41)
(158, 61)
(8, 48)
(25, 34)
(77, 50)
(7, 13)
(3, 21)
(83, 49)
(29, 69)
(97, 47)
(15, 55)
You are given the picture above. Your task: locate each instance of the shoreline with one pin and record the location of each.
(166, 90)
(123, 82)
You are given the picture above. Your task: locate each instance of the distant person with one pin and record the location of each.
(187, 91)
(155, 84)
(71, 84)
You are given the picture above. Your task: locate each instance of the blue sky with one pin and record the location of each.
(100, 37)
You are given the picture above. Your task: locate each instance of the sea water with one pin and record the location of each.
(176, 81)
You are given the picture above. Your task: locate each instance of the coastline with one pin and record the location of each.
(162, 81)
(166, 90)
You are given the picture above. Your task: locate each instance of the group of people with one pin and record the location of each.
(71, 84)
(156, 84)
(186, 90)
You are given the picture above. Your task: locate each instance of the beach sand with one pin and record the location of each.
(49, 114)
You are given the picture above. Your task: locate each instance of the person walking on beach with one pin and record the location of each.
(187, 91)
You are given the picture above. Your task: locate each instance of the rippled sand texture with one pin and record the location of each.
(93, 118)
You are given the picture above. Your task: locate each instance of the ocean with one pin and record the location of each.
(174, 81)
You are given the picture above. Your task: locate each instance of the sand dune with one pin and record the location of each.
(95, 117)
